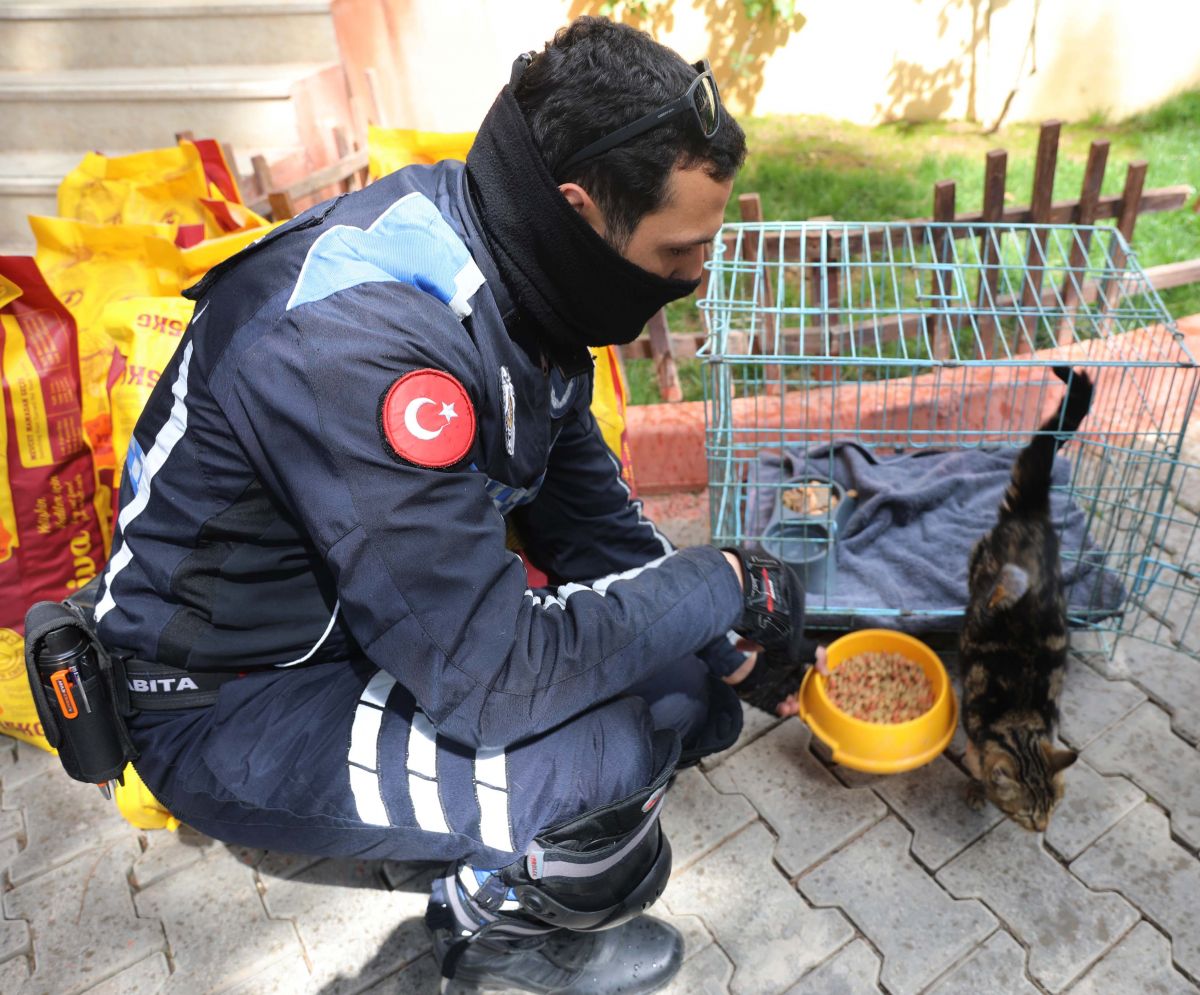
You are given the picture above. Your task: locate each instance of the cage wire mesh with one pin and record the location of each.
(841, 354)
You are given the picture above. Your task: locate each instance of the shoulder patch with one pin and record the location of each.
(427, 419)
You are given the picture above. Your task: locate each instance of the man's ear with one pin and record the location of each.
(581, 201)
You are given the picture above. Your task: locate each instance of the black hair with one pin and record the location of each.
(596, 76)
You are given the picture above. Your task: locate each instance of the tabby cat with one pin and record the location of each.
(1014, 641)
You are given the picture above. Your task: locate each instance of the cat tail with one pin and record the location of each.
(1029, 491)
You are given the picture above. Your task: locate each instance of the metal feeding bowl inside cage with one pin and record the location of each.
(810, 517)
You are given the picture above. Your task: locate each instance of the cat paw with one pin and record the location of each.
(976, 798)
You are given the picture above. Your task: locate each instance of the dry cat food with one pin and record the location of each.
(880, 687)
(816, 500)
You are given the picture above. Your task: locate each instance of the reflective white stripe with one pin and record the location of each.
(365, 786)
(166, 440)
(560, 595)
(363, 756)
(422, 775)
(422, 747)
(491, 767)
(364, 736)
(427, 806)
(378, 688)
(663, 541)
(317, 645)
(493, 817)
(491, 790)
(466, 281)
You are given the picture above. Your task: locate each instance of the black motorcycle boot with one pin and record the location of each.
(637, 957)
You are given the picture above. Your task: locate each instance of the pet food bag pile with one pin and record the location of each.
(86, 327)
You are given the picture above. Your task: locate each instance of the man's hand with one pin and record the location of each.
(791, 704)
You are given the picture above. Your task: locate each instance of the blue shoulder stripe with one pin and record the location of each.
(410, 242)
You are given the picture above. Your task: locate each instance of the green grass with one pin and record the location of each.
(810, 166)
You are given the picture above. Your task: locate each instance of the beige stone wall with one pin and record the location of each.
(863, 60)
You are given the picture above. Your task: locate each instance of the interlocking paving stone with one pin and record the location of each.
(754, 723)
(1164, 674)
(217, 928)
(63, 818)
(1143, 748)
(14, 937)
(1138, 858)
(419, 977)
(1065, 925)
(1091, 703)
(13, 974)
(932, 800)
(146, 977)
(695, 934)
(1140, 963)
(1179, 535)
(26, 763)
(997, 968)
(354, 930)
(760, 922)
(811, 811)
(83, 922)
(707, 973)
(853, 970)
(397, 872)
(696, 818)
(11, 824)
(165, 852)
(919, 928)
(275, 864)
(289, 976)
(1090, 806)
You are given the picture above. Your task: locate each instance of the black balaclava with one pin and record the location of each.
(575, 287)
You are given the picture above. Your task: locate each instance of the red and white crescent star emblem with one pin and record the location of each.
(428, 418)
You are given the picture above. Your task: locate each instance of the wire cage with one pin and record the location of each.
(868, 386)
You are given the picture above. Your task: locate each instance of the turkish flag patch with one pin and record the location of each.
(428, 419)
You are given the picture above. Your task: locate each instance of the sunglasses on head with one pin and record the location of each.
(701, 99)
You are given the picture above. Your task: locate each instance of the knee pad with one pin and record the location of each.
(605, 866)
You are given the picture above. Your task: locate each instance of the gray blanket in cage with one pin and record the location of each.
(917, 516)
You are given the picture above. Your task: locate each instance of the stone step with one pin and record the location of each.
(49, 35)
(248, 106)
(28, 185)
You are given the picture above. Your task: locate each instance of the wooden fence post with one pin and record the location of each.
(995, 171)
(1039, 209)
(664, 357)
(750, 205)
(1089, 197)
(1131, 199)
(943, 256)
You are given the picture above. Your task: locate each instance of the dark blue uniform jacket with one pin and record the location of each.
(266, 522)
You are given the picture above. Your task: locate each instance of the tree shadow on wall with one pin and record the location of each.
(738, 45)
(919, 93)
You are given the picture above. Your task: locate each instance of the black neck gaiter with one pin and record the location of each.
(574, 286)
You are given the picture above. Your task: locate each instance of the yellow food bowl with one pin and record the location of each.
(876, 747)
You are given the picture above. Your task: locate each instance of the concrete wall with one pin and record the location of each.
(863, 60)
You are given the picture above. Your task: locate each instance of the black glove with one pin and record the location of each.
(773, 604)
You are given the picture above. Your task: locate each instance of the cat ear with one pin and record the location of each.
(1010, 587)
(1060, 760)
